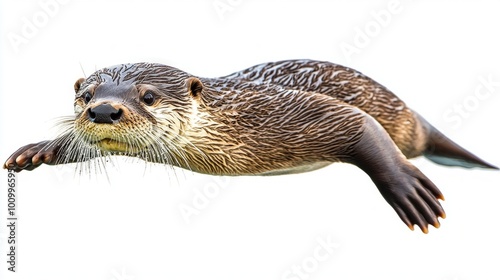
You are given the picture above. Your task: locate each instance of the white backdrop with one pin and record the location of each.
(327, 224)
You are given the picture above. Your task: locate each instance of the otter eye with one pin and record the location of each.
(87, 97)
(148, 98)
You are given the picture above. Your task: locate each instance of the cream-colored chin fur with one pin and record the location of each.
(111, 145)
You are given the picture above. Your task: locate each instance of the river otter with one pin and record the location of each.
(274, 118)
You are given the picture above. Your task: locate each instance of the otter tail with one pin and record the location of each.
(441, 150)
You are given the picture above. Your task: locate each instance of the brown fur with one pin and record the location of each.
(274, 118)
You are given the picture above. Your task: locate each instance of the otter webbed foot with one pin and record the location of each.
(412, 195)
(31, 156)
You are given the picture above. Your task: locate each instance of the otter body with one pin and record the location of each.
(274, 118)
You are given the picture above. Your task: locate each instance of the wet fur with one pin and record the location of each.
(274, 118)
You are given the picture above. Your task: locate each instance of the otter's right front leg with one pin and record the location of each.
(412, 195)
(31, 156)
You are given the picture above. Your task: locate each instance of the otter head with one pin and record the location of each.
(133, 109)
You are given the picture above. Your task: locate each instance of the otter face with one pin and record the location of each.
(133, 109)
(116, 117)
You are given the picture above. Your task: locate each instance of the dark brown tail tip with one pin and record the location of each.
(444, 151)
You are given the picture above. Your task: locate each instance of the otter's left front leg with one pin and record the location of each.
(31, 156)
(412, 195)
(51, 152)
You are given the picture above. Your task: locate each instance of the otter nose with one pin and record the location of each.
(104, 113)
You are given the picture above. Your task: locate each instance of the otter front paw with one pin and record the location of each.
(413, 196)
(31, 156)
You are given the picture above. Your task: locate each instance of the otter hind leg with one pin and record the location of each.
(412, 195)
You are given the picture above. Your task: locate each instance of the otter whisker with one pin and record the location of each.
(83, 71)
(183, 140)
(160, 151)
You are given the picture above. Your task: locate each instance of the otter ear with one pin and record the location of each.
(194, 86)
(78, 83)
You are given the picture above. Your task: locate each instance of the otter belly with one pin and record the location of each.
(297, 169)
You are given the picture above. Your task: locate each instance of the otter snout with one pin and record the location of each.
(105, 113)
